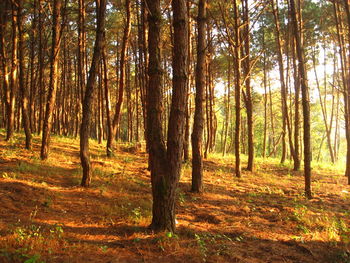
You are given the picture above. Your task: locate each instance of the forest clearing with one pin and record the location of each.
(174, 131)
(262, 217)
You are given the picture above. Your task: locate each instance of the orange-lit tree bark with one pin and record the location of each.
(81, 59)
(9, 91)
(282, 78)
(90, 86)
(122, 75)
(165, 161)
(237, 71)
(14, 71)
(40, 67)
(347, 96)
(305, 101)
(248, 98)
(54, 61)
(198, 123)
(22, 86)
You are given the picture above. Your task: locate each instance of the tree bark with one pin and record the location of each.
(9, 91)
(51, 97)
(305, 102)
(237, 70)
(90, 86)
(122, 68)
(165, 162)
(249, 102)
(198, 123)
(22, 86)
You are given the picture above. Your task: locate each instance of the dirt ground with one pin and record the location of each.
(263, 217)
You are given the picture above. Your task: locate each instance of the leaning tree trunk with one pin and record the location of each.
(198, 123)
(90, 85)
(305, 102)
(51, 97)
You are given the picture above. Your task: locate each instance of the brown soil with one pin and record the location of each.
(263, 217)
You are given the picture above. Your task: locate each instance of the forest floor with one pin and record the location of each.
(263, 217)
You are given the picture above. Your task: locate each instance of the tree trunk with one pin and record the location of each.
(296, 111)
(9, 91)
(165, 164)
(122, 67)
(90, 86)
(22, 86)
(249, 102)
(305, 102)
(237, 70)
(198, 123)
(51, 97)
(282, 79)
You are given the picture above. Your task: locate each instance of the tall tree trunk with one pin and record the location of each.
(282, 79)
(188, 99)
(265, 97)
(13, 76)
(249, 102)
(237, 70)
(165, 162)
(122, 67)
(108, 105)
(9, 92)
(22, 85)
(90, 86)
(41, 69)
(227, 107)
(198, 123)
(347, 125)
(51, 97)
(296, 111)
(81, 58)
(305, 101)
(323, 109)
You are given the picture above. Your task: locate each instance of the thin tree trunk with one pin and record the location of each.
(296, 111)
(227, 107)
(88, 98)
(22, 86)
(122, 67)
(198, 124)
(13, 77)
(237, 70)
(51, 98)
(282, 79)
(9, 92)
(323, 109)
(249, 102)
(305, 102)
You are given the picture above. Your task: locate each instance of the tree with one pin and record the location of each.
(122, 77)
(238, 89)
(54, 61)
(305, 101)
(198, 123)
(165, 160)
(90, 86)
(22, 85)
(9, 88)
